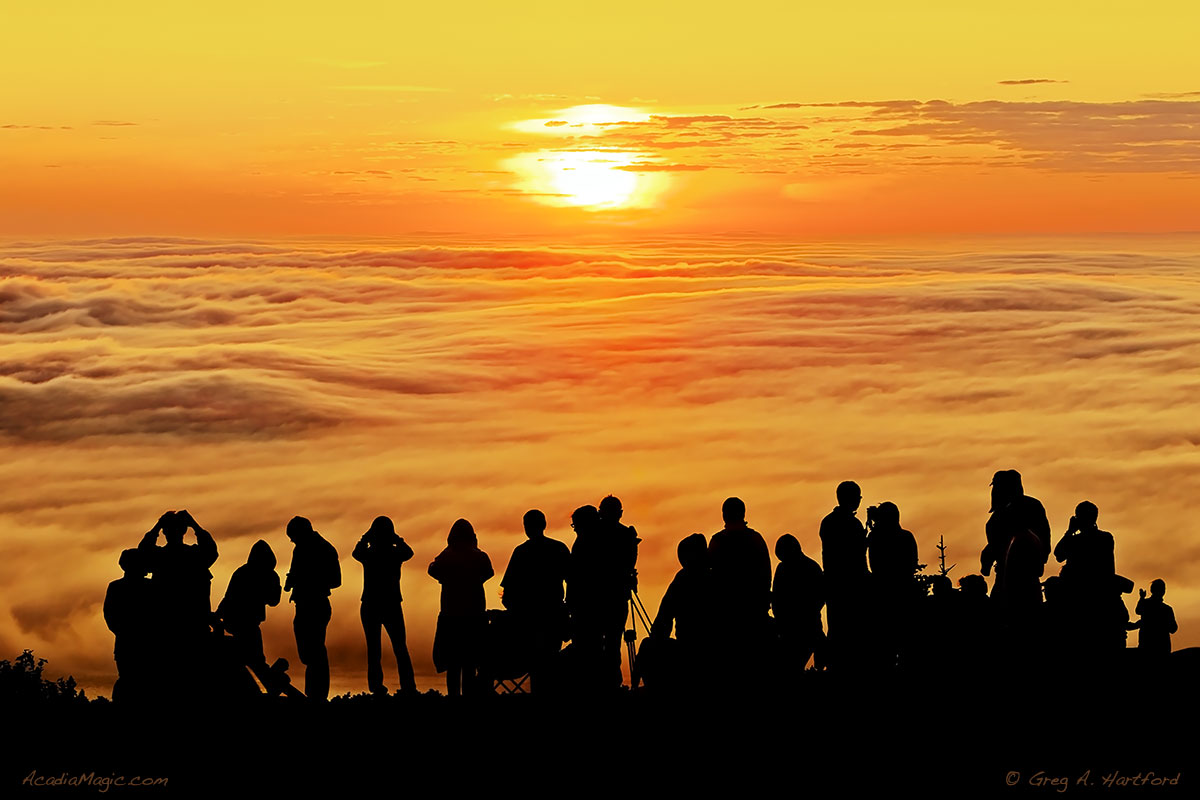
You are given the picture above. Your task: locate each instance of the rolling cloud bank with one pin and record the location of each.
(252, 381)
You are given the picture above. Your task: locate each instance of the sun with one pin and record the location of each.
(590, 179)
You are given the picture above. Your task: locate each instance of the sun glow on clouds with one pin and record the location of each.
(596, 179)
(590, 179)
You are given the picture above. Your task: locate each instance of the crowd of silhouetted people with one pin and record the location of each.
(724, 616)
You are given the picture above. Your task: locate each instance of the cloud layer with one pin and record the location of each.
(252, 381)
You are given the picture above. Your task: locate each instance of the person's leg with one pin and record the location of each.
(310, 623)
(453, 679)
(371, 630)
(317, 674)
(394, 622)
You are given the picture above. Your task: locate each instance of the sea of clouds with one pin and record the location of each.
(427, 381)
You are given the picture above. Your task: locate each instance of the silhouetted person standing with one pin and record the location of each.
(1088, 551)
(1088, 596)
(381, 552)
(252, 587)
(314, 574)
(844, 558)
(180, 577)
(128, 612)
(1157, 621)
(599, 587)
(588, 596)
(533, 592)
(797, 597)
(462, 569)
(892, 556)
(620, 547)
(741, 577)
(1013, 513)
(180, 583)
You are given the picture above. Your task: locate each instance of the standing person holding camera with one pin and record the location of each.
(180, 588)
(381, 552)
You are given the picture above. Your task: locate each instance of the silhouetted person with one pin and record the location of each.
(599, 586)
(891, 550)
(1088, 551)
(976, 623)
(589, 597)
(533, 592)
(252, 587)
(462, 569)
(314, 573)
(128, 612)
(892, 555)
(844, 559)
(1088, 597)
(179, 572)
(1157, 621)
(620, 548)
(741, 576)
(1021, 595)
(687, 606)
(381, 552)
(687, 609)
(1012, 513)
(181, 585)
(797, 597)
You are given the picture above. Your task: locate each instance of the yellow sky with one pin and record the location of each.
(385, 118)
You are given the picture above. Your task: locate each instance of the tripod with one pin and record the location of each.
(638, 611)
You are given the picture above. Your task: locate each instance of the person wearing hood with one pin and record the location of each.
(253, 586)
(462, 569)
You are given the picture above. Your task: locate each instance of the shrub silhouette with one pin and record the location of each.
(21, 683)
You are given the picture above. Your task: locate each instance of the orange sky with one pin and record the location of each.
(460, 260)
(382, 118)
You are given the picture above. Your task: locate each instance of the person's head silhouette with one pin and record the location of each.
(382, 531)
(535, 523)
(849, 496)
(462, 535)
(1158, 588)
(610, 509)
(132, 563)
(174, 526)
(693, 552)
(299, 530)
(585, 519)
(787, 548)
(973, 585)
(261, 555)
(887, 515)
(733, 511)
(1086, 515)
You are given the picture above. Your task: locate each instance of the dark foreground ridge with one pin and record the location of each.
(1001, 735)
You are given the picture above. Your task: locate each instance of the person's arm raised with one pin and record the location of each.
(204, 539)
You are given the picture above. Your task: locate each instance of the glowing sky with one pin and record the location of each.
(384, 118)
(461, 260)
